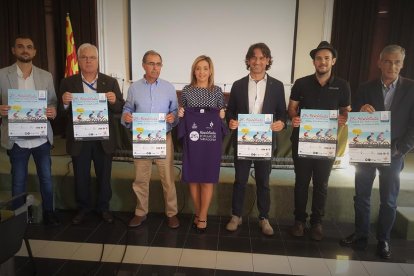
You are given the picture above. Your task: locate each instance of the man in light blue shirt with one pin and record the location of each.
(153, 95)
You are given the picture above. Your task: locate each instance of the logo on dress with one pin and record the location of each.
(194, 126)
(194, 136)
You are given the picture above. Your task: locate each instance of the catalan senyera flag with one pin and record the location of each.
(71, 58)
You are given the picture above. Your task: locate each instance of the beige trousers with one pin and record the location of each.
(143, 168)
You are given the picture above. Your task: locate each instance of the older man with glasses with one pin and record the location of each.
(153, 95)
(83, 152)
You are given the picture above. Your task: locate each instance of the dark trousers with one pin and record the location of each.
(92, 151)
(389, 187)
(262, 171)
(319, 171)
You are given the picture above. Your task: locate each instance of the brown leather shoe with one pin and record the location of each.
(298, 229)
(173, 222)
(137, 221)
(316, 232)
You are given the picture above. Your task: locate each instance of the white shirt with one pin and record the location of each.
(86, 87)
(28, 83)
(256, 93)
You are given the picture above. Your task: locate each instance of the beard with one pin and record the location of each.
(24, 59)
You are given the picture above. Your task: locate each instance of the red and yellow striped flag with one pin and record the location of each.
(71, 58)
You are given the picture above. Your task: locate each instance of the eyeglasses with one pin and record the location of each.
(154, 64)
(91, 58)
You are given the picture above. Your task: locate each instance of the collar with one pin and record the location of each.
(94, 80)
(392, 85)
(146, 82)
(20, 73)
(264, 78)
(330, 80)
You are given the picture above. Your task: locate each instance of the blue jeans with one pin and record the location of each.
(19, 160)
(262, 171)
(389, 187)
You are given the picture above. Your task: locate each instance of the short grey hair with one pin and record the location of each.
(150, 52)
(393, 48)
(87, 45)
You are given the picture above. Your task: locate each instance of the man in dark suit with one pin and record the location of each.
(89, 80)
(396, 94)
(257, 93)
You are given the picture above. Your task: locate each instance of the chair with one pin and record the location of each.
(13, 225)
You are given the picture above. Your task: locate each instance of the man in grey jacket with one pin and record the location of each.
(24, 75)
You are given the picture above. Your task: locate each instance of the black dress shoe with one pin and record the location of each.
(354, 242)
(50, 218)
(78, 219)
(383, 249)
(107, 217)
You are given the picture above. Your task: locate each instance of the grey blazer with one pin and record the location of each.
(8, 80)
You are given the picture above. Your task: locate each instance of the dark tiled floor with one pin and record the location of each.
(154, 232)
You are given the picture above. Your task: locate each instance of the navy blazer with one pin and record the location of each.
(73, 84)
(273, 103)
(402, 110)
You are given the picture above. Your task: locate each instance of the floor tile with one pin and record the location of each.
(143, 235)
(111, 269)
(199, 241)
(346, 267)
(70, 268)
(59, 250)
(169, 239)
(234, 261)
(383, 269)
(162, 256)
(75, 234)
(271, 264)
(268, 246)
(157, 270)
(408, 268)
(198, 258)
(92, 252)
(35, 245)
(191, 271)
(234, 244)
(308, 266)
(335, 251)
(302, 249)
(134, 254)
(108, 233)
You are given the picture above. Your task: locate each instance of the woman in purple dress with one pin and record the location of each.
(202, 92)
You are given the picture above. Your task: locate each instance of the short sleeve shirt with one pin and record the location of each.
(202, 132)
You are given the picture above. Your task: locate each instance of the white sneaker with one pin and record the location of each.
(266, 227)
(234, 222)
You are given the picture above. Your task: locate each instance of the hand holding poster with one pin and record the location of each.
(254, 136)
(149, 135)
(27, 115)
(318, 133)
(369, 137)
(90, 116)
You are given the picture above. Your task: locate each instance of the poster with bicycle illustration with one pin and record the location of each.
(369, 137)
(254, 136)
(90, 116)
(27, 115)
(149, 135)
(318, 133)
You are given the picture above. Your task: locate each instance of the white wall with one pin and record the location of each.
(314, 25)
